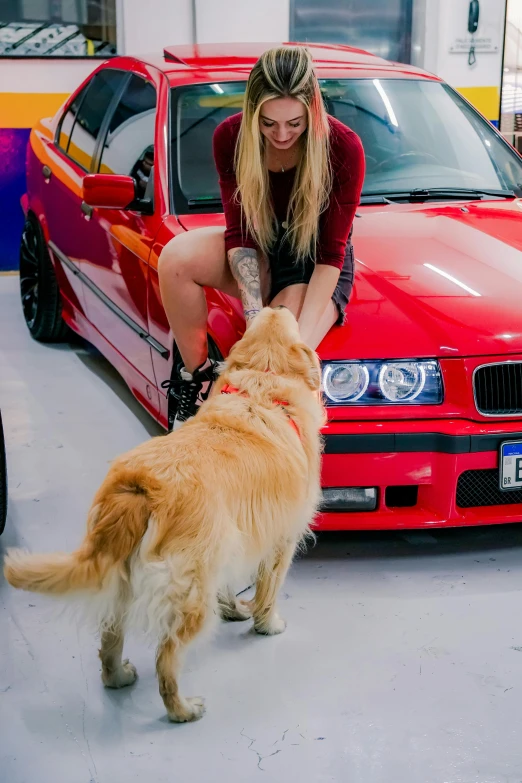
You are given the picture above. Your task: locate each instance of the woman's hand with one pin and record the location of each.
(244, 265)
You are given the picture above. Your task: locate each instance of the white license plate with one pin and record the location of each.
(510, 462)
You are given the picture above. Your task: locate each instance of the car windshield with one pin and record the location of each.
(417, 134)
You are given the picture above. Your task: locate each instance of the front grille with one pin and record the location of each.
(480, 488)
(498, 389)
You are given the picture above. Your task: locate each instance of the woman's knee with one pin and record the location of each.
(175, 259)
(197, 255)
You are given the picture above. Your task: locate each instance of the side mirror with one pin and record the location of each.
(112, 191)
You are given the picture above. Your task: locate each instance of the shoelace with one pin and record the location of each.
(185, 391)
(185, 394)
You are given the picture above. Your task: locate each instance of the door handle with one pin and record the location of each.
(46, 172)
(87, 210)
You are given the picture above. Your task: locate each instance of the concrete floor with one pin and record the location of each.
(402, 661)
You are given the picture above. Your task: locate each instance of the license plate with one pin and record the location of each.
(510, 462)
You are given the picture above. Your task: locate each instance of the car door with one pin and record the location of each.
(69, 159)
(115, 259)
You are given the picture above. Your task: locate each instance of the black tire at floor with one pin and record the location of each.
(39, 291)
(3, 479)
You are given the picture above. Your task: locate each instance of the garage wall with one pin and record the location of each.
(150, 26)
(441, 29)
(32, 89)
(29, 90)
(242, 20)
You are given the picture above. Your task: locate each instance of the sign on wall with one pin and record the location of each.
(478, 26)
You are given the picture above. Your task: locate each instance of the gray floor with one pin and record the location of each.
(402, 660)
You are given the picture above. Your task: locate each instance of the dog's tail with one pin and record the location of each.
(117, 523)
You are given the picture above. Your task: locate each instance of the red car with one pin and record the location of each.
(424, 382)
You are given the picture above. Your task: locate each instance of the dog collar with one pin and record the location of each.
(229, 389)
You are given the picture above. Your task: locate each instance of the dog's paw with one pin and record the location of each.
(125, 675)
(271, 627)
(236, 611)
(188, 710)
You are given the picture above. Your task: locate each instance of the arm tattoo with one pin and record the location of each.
(245, 269)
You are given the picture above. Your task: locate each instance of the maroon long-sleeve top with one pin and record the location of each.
(347, 161)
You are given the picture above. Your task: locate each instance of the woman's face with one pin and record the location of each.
(282, 121)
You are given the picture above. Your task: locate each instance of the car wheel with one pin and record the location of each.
(3, 479)
(41, 302)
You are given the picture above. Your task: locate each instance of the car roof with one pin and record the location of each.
(193, 62)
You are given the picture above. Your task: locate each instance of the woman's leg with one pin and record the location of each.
(187, 263)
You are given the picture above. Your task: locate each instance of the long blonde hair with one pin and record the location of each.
(284, 72)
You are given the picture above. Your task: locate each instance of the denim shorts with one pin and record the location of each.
(285, 270)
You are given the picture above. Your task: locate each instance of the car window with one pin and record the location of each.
(101, 90)
(129, 144)
(200, 109)
(68, 120)
(415, 134)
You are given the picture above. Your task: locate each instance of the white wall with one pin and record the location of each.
(242, 20)
(43, 76)
(146, 26)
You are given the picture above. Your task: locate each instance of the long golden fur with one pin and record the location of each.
(234, 488)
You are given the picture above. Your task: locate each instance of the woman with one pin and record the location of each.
(290, 177)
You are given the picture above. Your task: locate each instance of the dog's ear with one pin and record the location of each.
(239, 356)
(306, 364)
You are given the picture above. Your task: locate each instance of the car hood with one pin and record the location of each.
(432, 280)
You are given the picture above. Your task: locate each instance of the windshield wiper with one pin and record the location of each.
(371, 199)
(440, 194)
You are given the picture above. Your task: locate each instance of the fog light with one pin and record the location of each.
(349, 499)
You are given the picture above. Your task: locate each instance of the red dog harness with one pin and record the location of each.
(228, 389)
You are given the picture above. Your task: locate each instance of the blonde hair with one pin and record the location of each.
(284, 72)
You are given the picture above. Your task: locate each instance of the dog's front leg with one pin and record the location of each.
(270, 577)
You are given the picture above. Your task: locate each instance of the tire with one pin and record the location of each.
(3, 479)
(39, 291)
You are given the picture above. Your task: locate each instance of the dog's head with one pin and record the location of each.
(272, 344)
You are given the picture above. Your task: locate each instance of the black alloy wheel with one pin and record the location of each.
(39, 291)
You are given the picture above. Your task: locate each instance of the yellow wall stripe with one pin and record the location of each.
(485, 99)
(23, 110)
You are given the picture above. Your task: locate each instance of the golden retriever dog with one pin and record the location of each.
(234, 490)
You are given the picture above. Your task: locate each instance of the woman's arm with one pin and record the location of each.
(245, 269)
(336, 222)
(318, 296)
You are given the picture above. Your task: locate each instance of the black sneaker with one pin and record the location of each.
(187, 391)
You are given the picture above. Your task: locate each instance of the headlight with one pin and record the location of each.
(402, 382)
(345, 382)
(398, 382)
